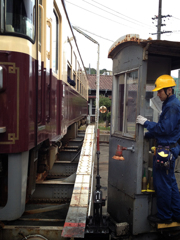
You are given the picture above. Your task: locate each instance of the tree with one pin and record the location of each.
(93, 71)
(104, 101)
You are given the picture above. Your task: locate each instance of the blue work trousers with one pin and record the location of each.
(168, 197)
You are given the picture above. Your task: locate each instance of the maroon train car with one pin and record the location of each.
(43, 94)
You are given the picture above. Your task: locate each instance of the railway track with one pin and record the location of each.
(63, 195)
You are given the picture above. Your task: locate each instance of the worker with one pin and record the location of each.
(166, 132)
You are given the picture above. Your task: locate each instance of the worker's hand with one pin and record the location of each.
(141, 120)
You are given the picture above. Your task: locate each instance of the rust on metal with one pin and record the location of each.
(124, 39)
(41, 176)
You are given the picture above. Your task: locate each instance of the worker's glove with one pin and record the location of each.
(141, 120)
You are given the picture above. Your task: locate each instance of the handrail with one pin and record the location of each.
(42, 33)
(49, 23)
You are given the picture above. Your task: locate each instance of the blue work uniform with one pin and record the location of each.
(167, 132)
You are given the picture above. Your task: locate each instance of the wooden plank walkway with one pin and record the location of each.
(75, 223)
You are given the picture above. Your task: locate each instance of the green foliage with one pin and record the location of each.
(103, 70)
(108, 117)
(104, 101)
(93, 71)
(104, 128)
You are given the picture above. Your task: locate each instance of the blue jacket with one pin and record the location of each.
(167, 130)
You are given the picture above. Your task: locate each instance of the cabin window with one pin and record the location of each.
(127, 89)
(19, 18)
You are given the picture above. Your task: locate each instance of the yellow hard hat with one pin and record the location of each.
(164, 81)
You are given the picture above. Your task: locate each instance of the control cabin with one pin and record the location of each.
(137, 64)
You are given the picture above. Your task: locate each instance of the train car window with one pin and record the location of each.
(1, 16)
(74, 78)
(55, 43)
(69, 52)
(20, 18)
(74, 62)
(69, 71)
(48, 34)
(126, 109)
(78, 77)
(79, 71)
(78, 85)
(39, 26)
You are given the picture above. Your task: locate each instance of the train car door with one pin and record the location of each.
(44, 66)
(48, 60)
(40, 91)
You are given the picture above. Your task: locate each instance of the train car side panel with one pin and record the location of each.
(17, 102)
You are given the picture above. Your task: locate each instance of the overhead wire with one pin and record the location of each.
(97, 14)
(176, 18)
(176, 31)
(95, 34)
(100, 15)
(141, 24)
(136, 21)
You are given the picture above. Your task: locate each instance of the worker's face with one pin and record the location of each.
(161, 94)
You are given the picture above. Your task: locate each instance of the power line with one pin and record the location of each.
(122, 14)
(165, 32)
(176, 18)
(95, 34)
(176, 31)
(100, 15)
(97, 14)
(136, 22)
(162, 32)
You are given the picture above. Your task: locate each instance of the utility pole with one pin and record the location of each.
(97, 76)
(159, 23)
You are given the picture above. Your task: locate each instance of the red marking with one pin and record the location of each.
(97, 139)
(71, 224)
